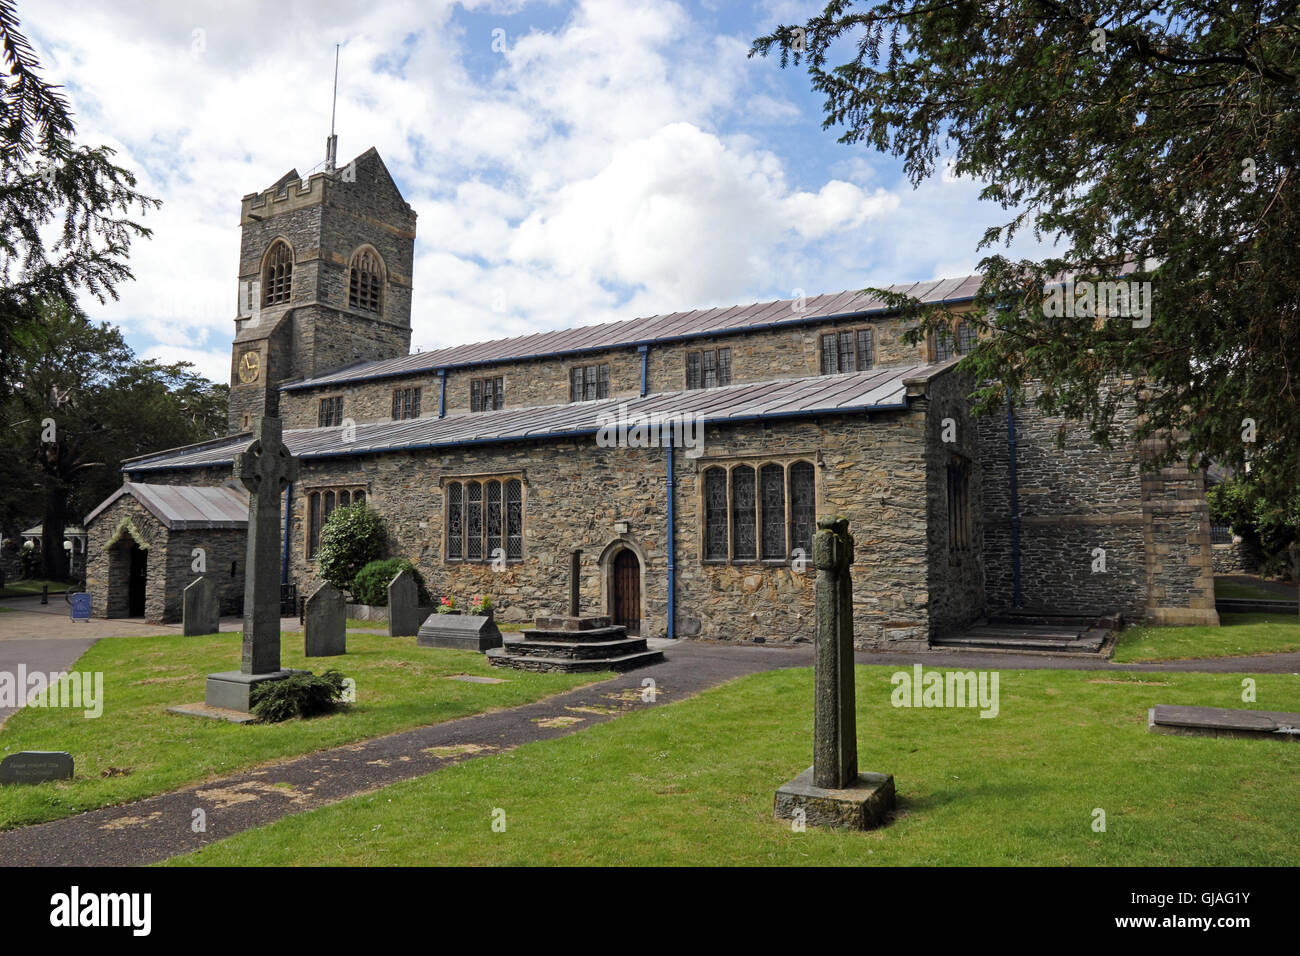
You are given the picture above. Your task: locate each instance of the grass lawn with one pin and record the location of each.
(692, 783)
(398, 686)
(27, 588)
(1244, 590)
(1238, 635)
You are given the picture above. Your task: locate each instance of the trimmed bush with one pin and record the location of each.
(371, 583)
(299, 695)
(353, 536)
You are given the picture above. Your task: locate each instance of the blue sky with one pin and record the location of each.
(570, 163)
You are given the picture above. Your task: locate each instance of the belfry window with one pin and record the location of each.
(365, 281)
(277, 274)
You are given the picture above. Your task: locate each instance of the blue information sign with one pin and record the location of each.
(81, 606)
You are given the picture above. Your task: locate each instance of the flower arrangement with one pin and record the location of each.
(447, 605)
(481, 605)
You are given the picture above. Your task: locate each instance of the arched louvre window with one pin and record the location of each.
(365, 281)
(474, 521)
(277, 274)
(772, 481)
(455, 523)
(514, 520)
(715, 514)
(492, 492)
(345, 498)
(803, 507)
(744, 544)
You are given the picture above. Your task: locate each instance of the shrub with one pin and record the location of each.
(299, 695)
(371, 583)
(353, 536)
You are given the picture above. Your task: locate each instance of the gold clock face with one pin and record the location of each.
(249, 367)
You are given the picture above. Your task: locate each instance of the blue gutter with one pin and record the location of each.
(284, 561)
(672, 545)
(1015, 501)
(442, 393)
(645, 356)
(612, 347)
(545, 436)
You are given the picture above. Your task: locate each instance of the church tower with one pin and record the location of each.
(324, 281)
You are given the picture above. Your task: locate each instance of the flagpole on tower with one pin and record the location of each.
(332, 144)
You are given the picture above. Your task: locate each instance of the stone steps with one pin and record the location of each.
(595, 635)
(1026, 640)
(574, 645)
(501, 657)
(576, 650)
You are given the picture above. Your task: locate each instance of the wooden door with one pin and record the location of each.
(627, 591)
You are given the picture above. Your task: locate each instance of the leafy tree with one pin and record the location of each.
(80, 404)
(65, 210)
(1274, 531)
(1161, 138)
(371, 583)
(352, 537)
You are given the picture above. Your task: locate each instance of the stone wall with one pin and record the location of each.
(956, 575)
(872, 472)
(125, 521)
(755, 357)
(1239, 557)
(1073, 499)
(1080, 503)
(225, 553)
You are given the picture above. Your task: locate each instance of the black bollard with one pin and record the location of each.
(45, 594)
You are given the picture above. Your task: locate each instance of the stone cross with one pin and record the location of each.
(835, 741)
(265, 468)
(575, 569)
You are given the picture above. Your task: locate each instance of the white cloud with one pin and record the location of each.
(608, 167)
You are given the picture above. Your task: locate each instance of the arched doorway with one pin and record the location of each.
(625, 590)
(137, 577)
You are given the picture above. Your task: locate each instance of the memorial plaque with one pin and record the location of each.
(36, 766)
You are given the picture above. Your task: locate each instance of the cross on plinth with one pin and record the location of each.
(835, 732)
(265, 468)
(832, 792)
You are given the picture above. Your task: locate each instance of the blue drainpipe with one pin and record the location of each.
(672, 545)
(284, 561)
(442, 393)
(1015, 501)
(645, 355)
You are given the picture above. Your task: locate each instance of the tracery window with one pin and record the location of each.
(754, 514)
(484, 519)
(321, 503)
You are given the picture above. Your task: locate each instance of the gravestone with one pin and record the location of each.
(36, 766)
(832, 792)
(265, 469)
(462, 632)
(200, 610)
(404, 611)
(325, 622)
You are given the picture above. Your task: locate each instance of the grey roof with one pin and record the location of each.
(186, 507)
(37, 530)
(879, 389)
(656, 328)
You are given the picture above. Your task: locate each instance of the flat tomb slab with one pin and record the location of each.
(232, 690)
(865, 806)
(1222, 722)
(461, 632)
(213, 713)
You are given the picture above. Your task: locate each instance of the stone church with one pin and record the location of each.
(686, 456)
